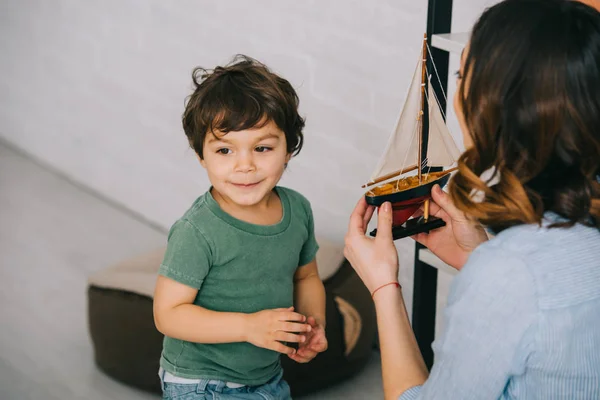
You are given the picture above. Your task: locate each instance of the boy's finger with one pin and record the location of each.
(292, 316)
(307, 353)
(281, 348)
(289, 337)
(294, 327)
(318, 347)
(298, 359)
(284, 309)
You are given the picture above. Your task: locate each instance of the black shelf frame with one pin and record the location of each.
(439, 20)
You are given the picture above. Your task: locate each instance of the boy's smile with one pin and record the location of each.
(244, 166)
(246, 186)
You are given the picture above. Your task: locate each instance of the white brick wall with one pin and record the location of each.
(96, 89)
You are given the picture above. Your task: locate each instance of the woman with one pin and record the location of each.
(523, 314)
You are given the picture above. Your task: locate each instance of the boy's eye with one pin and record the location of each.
(263, 149)
(224, 151)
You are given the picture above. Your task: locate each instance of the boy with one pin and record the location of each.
(244, 253)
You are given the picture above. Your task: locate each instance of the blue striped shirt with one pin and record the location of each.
(522, 320)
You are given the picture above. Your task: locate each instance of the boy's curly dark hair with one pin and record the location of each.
(244, 94)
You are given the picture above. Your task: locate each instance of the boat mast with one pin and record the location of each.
(423, 80)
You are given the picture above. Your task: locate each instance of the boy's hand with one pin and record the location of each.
(268, 328)
(316, 342)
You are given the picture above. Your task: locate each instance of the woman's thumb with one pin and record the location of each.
(384, 222)
(444, 201)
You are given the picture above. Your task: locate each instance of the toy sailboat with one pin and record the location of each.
(417, 151)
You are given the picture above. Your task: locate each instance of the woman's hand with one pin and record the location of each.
(375, 260)
(454, 242)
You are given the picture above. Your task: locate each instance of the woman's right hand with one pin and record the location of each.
(454, 242)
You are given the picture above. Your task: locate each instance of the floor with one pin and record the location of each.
(53, 234)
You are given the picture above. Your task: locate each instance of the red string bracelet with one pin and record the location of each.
(387, 284)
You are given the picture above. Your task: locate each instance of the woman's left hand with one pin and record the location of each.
(375, 260)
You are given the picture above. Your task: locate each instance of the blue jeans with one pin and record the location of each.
(275, 389)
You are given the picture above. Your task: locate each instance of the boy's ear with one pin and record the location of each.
(288, 157)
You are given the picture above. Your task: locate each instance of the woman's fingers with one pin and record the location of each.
(367, 217)
(422, 238)
(443, 201)
(356, 225)
(435, 209)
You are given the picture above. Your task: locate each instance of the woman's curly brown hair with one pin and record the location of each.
(530, 97)
(242, 95)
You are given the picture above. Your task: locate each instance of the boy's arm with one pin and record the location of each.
(309, 292)
(176, 316)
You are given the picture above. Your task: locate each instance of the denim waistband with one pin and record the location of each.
(168, 377)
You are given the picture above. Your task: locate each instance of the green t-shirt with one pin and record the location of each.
(236, 267)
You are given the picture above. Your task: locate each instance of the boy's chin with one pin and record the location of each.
(249, 199)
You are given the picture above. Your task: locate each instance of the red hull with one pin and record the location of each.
(403, 210)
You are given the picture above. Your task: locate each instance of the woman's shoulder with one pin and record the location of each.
(531, 241)
(562, 265)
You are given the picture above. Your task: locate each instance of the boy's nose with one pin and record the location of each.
(245, 163)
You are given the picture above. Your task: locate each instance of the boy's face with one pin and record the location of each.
(244, 166)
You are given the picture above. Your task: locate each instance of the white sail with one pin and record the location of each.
(402, 147)
(402, 144)
(441, 148)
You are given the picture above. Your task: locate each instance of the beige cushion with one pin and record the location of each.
(138, 274)
(329, 257)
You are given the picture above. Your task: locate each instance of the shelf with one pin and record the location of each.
(451, 42)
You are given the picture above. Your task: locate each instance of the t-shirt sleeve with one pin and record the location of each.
(188, 256)
(479, 351)
(310, 247)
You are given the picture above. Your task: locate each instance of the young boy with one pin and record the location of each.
(239, 282)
